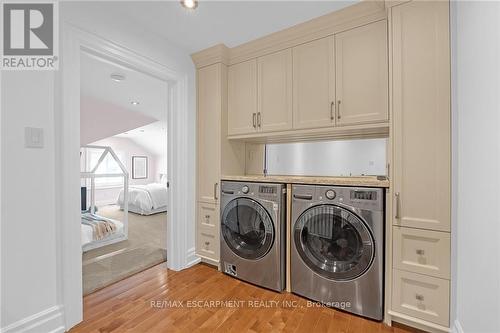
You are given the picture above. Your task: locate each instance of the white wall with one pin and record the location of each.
(125, 149)
(30, 278)
(476, 230)
(28, 238)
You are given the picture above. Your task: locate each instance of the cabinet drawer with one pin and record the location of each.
(421, 296)
(208, 216)
(422, 251)
(208, 244)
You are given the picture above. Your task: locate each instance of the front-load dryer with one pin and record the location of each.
(252, 232)
(337, 252)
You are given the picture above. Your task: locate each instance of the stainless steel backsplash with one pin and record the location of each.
(328, 158)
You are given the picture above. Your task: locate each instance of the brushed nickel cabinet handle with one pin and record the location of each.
(419, 297)
(332, 107)
(398, 202)
(338, 109)
(253, 120)
(259, 123)
(420, 252)
(216, 185)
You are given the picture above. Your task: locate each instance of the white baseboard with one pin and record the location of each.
(457, 327)
(192, 258)
(47, 321)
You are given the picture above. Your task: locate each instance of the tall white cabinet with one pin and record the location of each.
(421, 161)
(214, 156)
(210, 85)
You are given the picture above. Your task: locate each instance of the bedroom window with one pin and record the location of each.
(108, 166)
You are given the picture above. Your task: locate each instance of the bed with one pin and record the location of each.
(88, 241)
(145, 199)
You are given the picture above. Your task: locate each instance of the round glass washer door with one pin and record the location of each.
(334, 242)
(247, 228)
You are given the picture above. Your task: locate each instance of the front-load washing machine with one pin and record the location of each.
(337, 255)
(252, 232)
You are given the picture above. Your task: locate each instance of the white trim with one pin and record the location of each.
(192, 258)
(49, 320)
(75, 41)
(457, 327)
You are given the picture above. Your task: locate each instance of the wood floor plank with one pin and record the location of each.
(160, 300)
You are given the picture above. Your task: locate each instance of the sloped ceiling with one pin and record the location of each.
(106, 107)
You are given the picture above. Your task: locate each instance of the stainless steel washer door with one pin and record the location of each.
(334, 242)
(247, 228)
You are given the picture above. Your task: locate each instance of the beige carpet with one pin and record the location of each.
(146, 246)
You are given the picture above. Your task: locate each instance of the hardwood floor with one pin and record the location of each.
(161, 300)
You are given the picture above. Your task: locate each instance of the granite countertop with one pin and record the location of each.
(368, 181)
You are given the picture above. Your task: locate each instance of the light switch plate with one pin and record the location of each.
(33, 137)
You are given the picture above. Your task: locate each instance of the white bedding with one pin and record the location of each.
(148, 197)
(87, 234)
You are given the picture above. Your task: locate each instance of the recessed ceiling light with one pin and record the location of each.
(117, 77)
(189, 4)
(134, 103)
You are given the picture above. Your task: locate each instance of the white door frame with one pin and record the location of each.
(180, 254)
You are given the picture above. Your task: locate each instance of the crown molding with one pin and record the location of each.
(347, 18)
(212, 55)
(392, 3)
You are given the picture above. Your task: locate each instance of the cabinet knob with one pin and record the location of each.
(207, 217)
(420, 252)
(419, 297)
(207, 243)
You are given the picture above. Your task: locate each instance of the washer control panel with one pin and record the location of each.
(330, 194)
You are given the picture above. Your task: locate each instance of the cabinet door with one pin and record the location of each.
(422, 119)
(274, 91)
(242, 98)
(362, 72)
(209, 118)
(313, 84)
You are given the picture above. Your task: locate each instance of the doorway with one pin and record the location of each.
(180, 236)
(123, 157)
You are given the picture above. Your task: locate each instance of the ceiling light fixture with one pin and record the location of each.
(134, 103)
(117, 77)
(189, 4)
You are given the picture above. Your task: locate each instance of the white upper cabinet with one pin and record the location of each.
(361, 70)
(274, 91)
(421, 115)
(332, 81)
(313, 84)
(242, 98)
